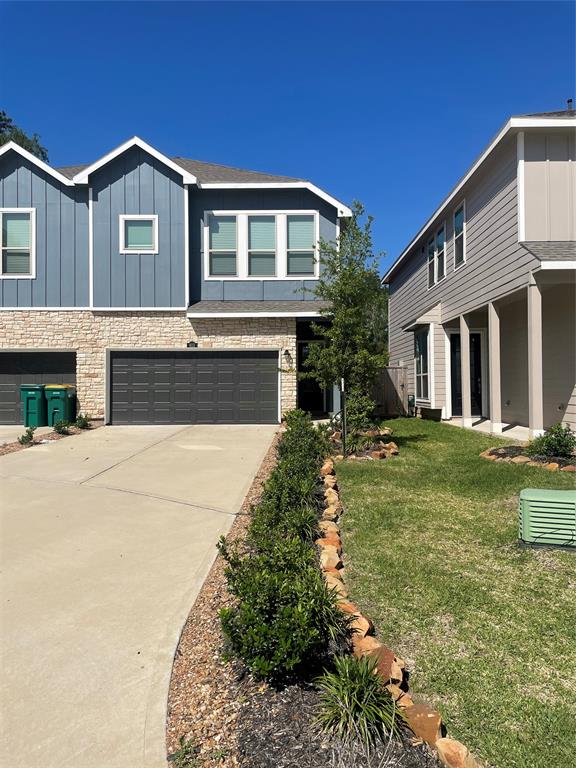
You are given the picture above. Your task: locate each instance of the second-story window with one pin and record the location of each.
(436, 256)
(459, 237)
(139, 234)
(261, 246)
(301, 240)
(440, 253)
(222, 245)
(17, 243)
(431, 253)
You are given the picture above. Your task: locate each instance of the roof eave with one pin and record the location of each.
(12, 146)
(135, 141)
(514, 123)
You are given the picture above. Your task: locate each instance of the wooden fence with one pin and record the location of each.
(391, 392)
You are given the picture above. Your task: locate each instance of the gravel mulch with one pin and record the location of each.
(48, 437)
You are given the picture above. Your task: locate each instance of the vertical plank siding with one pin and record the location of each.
(137, 183)
(61, 237)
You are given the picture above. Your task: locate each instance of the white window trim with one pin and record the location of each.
(32, 274)
(262, 250)
(433, 237)
(456, 209)
(242, 244)
(426, 401)
(123, 217)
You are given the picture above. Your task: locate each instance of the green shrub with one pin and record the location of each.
(557, 441)
(62, 427)
(28, 437)
(354, 704)
(285, 621)
(82, 421)
(359, 411)
(186, 756)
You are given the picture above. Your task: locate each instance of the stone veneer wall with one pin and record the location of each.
(91, 333)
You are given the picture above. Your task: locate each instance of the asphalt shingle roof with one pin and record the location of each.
(249, 307)
(552, 250)
(206, 173)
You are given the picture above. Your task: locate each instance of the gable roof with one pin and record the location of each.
(11, 146)
(561, 119)
(82, 176)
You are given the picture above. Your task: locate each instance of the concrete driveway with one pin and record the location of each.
(106, 538)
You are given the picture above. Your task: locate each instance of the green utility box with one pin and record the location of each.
(548, 517)
(61, 399)
(33, 405)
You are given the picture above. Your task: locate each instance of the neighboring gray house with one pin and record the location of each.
(168, 290)
(483, 299)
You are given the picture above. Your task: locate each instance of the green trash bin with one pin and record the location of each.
(61, 399)
(33, 405)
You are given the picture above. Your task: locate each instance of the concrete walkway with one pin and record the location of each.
(106, 538)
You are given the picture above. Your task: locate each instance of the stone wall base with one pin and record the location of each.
(90, 334)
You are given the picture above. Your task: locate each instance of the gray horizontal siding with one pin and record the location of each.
(256, 200)
(61, 237)
(137, 183)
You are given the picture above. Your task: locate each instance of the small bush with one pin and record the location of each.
(285, 622)
(354, 705)
(557, 441)
(82, 421)
(359, 411)
(62, 427)
(186, 756)
(28, 437)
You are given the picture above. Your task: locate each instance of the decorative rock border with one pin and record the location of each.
(423, 721)
(500, 454)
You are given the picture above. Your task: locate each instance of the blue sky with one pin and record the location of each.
(388, 103)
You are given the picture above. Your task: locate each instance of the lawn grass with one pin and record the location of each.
(488, 629)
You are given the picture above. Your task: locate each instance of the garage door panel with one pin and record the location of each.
(188, 387)
(17, 368)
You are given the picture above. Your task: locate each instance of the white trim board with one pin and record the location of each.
(236, 315)
(558, 264)
(135, 141)
(343, 210)
(11, 145)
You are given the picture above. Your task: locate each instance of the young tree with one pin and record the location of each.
(9, 131)
(355, 334)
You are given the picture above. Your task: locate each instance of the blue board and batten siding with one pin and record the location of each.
(252, 200)
(62, 271)
(137, 183)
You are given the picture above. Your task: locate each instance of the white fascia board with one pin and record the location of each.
(11, 145)
(236, 315)
(558, 264)
(135, 141)
(343, 210)
(543, 122)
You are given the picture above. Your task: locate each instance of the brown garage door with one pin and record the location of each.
(194, 387)
(18, 368)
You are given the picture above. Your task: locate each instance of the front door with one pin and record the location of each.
(311, 396)
(475, 373)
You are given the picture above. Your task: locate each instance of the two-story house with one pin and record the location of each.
(168, 290)
(482, 306)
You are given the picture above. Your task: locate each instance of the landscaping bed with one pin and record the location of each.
(515, 454)
(487, 629)
(219, 713)
(47, 437)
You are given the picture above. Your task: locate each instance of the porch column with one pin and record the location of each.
(535, 394)
(494, 367)
(465, 371)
